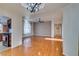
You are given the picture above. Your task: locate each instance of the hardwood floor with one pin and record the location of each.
(37, 46)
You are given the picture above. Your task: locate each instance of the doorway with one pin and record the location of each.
(5, 33)
(58, 30)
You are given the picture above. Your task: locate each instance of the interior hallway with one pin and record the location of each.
(37, 46)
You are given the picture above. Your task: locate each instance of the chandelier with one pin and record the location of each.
(33, 7)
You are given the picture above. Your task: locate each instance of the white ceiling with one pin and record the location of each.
(14, 7)
(51, 7)
(18, 9)
(50, 11)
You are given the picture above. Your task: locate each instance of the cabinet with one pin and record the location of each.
(7, 39)
(6, 34)
(0, 37)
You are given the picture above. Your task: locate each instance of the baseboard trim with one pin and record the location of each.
(16, 46)
(63, 55)
(41, 36)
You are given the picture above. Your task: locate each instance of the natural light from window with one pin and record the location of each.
(27, 27)
(1, 27)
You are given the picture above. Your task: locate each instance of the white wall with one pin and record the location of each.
(17, 31)
(52, 28)
(71, 30)
(43, 29)
(32, 28)
(57, 19)
(16, 26)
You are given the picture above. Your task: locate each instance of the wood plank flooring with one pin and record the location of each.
(37, 46)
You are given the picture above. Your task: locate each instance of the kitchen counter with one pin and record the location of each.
(5, 33)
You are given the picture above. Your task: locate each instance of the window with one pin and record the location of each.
(1, 27)
(27, 27)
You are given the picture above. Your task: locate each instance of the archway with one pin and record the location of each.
(5, 32)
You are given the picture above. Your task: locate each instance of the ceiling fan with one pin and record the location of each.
(39, 20)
